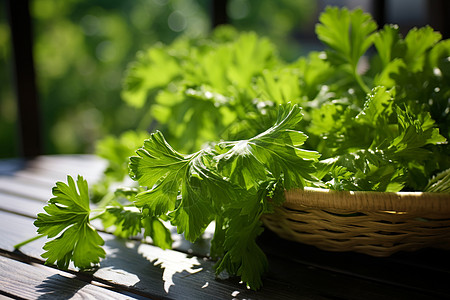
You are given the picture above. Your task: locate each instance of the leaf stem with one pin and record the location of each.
(360, 82)
(19, 245)
(95, 217)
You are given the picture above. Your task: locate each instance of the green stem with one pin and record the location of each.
(360, 82)
(146, 117)
(98, 213)
(95, 217)
(18, 246)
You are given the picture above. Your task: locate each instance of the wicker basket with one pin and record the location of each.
(374, 223)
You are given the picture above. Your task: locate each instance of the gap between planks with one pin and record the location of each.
(30, 280)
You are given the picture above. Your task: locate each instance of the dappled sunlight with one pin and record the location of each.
(177, 262)
(123, 276)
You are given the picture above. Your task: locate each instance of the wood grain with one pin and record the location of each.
(25, 188)
(33, 281)
(20, 205)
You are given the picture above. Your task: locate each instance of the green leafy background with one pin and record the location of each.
(82, 49)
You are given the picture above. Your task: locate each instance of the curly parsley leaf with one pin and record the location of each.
(348, 34)
(418, 42)
(159, 167)
(388, 43)
(182, 184)
(67, 215)
(243, 257)
(237, 229)
(276, 152)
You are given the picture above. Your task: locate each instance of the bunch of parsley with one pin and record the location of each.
(375, 107)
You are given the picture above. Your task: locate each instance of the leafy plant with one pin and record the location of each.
(235, 106)
(67, 214)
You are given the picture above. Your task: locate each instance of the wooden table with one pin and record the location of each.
(133, 269)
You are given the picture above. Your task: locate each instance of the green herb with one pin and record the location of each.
(67, 216)
(228, 184)
(378, 123)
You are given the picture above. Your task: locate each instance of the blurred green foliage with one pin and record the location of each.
(283, 21)
(82, 49)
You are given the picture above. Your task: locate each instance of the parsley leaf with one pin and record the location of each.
(243, 257)
(277, 151)
(168, 175)
(160, 168)
(418, 42)
(67, 214)
(348, 34)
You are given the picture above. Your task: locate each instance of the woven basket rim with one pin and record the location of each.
(364, 201)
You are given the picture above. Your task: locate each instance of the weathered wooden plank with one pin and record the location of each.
(70, 161)
(392, 273)
(46, 178)
(149, 270)
(34, 281)
(52, 168)
(21, 187)
(20, 205)
(38, 176)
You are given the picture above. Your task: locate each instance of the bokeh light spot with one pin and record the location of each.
(238, 9)
(177, 21)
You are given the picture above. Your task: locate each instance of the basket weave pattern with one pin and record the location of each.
(374, 223)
